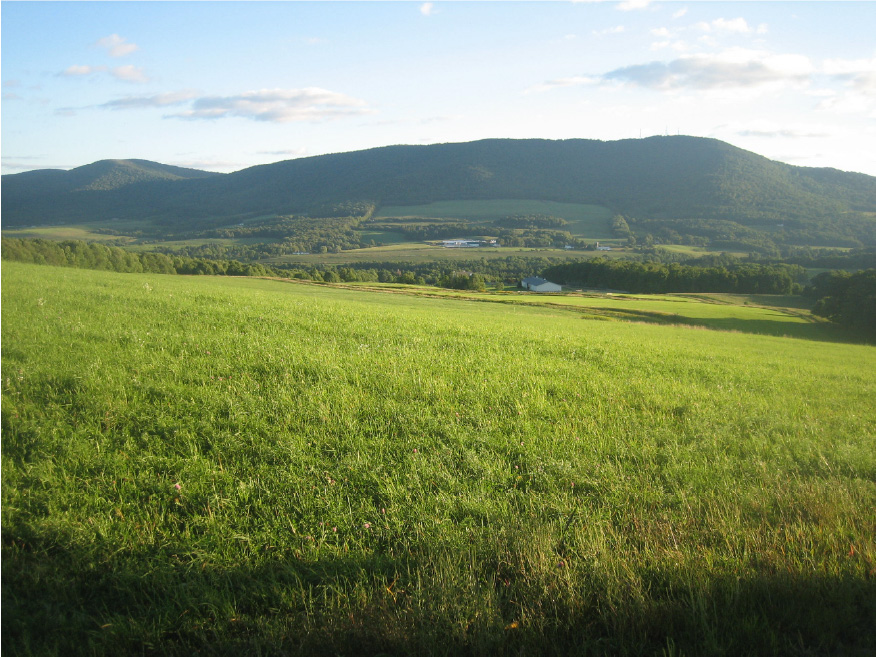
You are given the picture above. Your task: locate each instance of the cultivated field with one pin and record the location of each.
(239, 466)
(590, 221)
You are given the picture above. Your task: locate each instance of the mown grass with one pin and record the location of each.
(87, 231)
(779, 315)
(234, 466)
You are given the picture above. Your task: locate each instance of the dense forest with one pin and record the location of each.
(650, 277)
(846, 298)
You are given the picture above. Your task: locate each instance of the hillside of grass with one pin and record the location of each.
(240, 466)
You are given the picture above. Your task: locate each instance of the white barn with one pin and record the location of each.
(537, 284)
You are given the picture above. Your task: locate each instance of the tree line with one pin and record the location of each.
(652, 277)
(846, 298)
(91, 255)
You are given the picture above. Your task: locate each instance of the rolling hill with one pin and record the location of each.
(659, 179)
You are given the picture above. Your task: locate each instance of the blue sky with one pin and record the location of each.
(227, 85)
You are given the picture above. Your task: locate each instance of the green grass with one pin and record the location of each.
(779, 315)
(694, 310)
(75, 232)
(697, 251)
(383, 236)
(237, 466)
(590, 221)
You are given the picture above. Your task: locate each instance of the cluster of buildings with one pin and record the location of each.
(467, 244)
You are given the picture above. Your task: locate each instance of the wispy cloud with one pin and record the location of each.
(558, 83)
(633, 5)
(126, 73)
(277, 106)
(129, 74)
(618, 29)
(145, 102)
(860, 74)
(81, 71)
(770, 130)
(731, 26)
(116, 46)
(290, 152)
(427, 8)
(732, 69)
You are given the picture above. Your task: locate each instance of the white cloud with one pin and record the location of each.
(633, 5)
(79, 71)
(860, 74)
(427, 8)
(771, 130)
(157, 100)
(116, 46)
(847, 104)
(736, 68)
(129, 74)
(732, 26)
(277, 106)
(660, 32)
(618, 29)
(680, 13)
(736, 25)
(678, 46)
(292, 152)
(848, 66)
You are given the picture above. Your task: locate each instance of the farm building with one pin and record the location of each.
(467, 244)
(537, 284)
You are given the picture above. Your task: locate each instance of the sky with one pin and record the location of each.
(223, 86)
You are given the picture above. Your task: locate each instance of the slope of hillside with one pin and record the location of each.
(654, 179)
(671, 176)
(126, 187)
(233, 466)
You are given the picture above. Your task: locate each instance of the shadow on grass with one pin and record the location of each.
(55, 602)
(818, 331)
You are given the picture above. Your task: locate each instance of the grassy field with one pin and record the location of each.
(240, 466)
(85, 231)
(590, 221)
(697, 251)
(696, 310)
(779, 315)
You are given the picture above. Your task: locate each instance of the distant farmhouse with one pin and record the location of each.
(602, 248)
(467, 244)
(536, 284)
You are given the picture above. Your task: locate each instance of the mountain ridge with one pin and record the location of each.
(656, 178)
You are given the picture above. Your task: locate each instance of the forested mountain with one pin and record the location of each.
(654, 182)
(133, 187)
